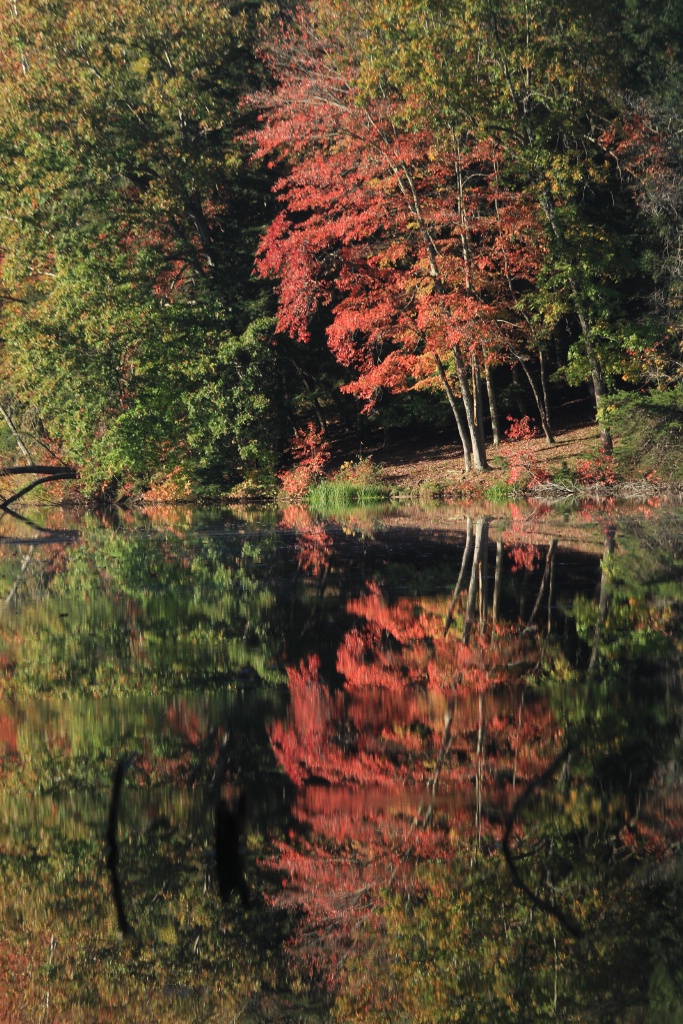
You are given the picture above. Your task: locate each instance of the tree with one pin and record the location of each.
(419, 254)
(541, 79)
(130, 328)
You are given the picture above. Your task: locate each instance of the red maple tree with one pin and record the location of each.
(418, 252)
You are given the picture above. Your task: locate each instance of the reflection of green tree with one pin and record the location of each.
(191, 958)
(132, 613)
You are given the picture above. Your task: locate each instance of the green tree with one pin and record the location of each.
(131, 329)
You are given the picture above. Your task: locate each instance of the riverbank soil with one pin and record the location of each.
(411, 466)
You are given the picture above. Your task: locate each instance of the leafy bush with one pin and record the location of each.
(648, 432)
(311, 453)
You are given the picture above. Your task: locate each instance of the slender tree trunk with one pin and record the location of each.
(15, 433)
(477, 401)
(407, 186)
(544, 386)
(540, 404)
(493, 404)
(456, 413)
(597, 378)
(478, 450)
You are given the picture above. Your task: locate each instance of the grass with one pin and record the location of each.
(354, 484)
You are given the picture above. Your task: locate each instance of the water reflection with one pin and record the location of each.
(461, 750)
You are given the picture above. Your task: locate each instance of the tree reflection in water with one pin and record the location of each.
(461, 751)
(451, 736)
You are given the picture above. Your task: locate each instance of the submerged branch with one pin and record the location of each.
(567, 922)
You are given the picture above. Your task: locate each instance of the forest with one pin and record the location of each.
(232, 232)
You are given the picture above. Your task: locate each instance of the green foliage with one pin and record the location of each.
(501, 492)
(130, 213)
(649, 432)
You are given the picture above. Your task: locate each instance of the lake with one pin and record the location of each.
(402, 765)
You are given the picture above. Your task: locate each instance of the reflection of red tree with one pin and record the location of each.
(184, 722)
(314, 545)
(8, 736)
(425, 746)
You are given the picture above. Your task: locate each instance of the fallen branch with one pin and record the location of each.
(64, 475)
(67, 471)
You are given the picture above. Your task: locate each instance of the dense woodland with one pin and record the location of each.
(224, 226)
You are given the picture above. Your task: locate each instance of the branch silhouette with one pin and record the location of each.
(113, 855)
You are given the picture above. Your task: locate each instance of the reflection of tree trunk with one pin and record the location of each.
(551, 596)
(544, 905)
(480, 538)
(443, 753)
(484, 581)
(517, 738)
(549, 559)
(25, 563)
(603, 600)
(497, 581)
(112, 839)
(461, 575)
(479, 776)
(456, 413)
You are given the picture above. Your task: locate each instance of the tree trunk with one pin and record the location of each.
(477, 401)
(540, 404)
(493, 405)
(478, 450)
(456, 413)
(597, 378)
(544, 386)
(15, 433)
(54, 473)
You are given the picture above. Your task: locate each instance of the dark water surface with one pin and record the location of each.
(443, 750)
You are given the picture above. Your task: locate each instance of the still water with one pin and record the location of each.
(408, 766)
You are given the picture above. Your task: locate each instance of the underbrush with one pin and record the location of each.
(648, 431)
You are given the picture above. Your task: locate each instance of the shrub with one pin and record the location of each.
(599, 470)
(524, 468)
(311, 453)
(648, 431)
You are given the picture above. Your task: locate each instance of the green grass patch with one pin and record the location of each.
(354, 484)
(501, 492)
